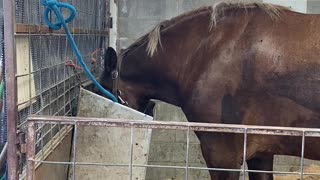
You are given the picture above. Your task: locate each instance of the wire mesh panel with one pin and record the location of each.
(48, 73)
(3, 123)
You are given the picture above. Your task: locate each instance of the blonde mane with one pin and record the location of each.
(153, 39)
(155, 35)
(219, 9)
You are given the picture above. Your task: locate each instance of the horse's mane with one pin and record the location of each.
(217, 11)
(153, 37)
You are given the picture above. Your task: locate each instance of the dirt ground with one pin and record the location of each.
(309, 169)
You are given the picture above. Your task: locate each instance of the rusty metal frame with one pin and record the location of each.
(36, 29)
(209, 127)
(10, 66)
(185, 126)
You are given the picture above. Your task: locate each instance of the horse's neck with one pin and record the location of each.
(180, 43)
(164, 70)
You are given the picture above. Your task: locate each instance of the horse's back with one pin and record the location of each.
(287, 55)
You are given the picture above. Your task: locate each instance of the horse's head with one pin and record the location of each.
(157, 64)
(110, 73)
(120, 83)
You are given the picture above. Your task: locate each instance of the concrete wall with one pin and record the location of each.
(109, 145)
(114, 30)
(296, 5)
(168, 147)
(313, 6)
(137, 17)
(303, 6)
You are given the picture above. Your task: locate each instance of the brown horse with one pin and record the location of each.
(231, 63)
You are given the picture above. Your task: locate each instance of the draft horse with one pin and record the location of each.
(232, 63)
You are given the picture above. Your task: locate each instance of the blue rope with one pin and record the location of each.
(53, 5)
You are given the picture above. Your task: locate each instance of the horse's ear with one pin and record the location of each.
(110, 59)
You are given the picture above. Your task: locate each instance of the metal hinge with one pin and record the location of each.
(22, 150)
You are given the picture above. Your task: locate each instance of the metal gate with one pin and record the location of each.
(187, 127)
(43, 76)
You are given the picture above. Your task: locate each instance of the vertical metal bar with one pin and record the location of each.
(67, 77)
(29, 60)
(3, 155)
(41, 142)
(244, 154)
(187, 153)
(30, 150)
(40, 64)
(64, 79)
(302, 155)
(74, 151)
(11, 86)
(50, 67)
(131, 153)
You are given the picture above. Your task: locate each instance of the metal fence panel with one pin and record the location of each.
(45, 84)
(185, 126)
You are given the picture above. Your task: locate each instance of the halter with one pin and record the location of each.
(115, 91)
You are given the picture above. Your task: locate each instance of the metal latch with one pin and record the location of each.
(22, 150)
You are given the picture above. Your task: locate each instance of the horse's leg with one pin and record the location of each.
(219, 152)
(263, 163)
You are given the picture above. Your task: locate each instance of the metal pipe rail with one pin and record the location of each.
(186, 126)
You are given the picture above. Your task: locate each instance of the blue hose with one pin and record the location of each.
(53, 5)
